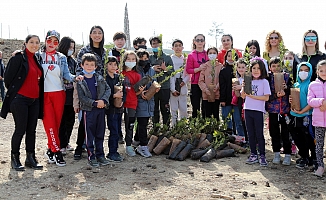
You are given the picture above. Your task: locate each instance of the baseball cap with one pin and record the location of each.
(53, 33)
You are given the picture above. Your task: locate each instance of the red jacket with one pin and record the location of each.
(131, 78)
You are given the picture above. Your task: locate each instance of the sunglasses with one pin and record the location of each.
(200, 40)
(275, 38)
(227, 40)
(310, 38)
(49, 41)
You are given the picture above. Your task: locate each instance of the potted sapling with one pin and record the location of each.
(219, 139)
(162, 141)
(153, 136)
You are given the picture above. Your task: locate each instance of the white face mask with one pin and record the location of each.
(120, 48)
(303, 75)
(70, 52)
(212, 56)
(289, 61)
(130, 64)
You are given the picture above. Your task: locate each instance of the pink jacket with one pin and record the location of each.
(316, 96)
(205, 79)
(194, 60)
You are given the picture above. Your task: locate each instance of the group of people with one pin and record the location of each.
(52, 85)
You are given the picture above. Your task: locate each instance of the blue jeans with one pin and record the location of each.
(113, 125)
(255, 128)
(236, 116)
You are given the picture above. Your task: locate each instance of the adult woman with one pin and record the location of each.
(227, 43)
(194, 66)
(24, 99)
(310, 53)
(273, 39)
(67, 48)
(55, 70)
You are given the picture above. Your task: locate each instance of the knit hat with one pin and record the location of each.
(53, 33)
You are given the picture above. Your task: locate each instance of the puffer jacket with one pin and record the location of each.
(316, 96)
(205, 79)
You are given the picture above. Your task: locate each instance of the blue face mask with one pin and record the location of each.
(155, 50)
(89, 73)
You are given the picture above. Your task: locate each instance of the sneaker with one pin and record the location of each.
(59, 159)
(49, 155)
(143, 151)
(130, 151)
(93, 163)
(293, 149)
(263, 161)
(298, 160)
(121, 141)
(103, 161)
(63, 151)
(319, 172)
(287, 160)
(302, 164)
(115, 157)
(277, 158)
(69, 148)
(78, 154)
(252, 159)
(135, 143)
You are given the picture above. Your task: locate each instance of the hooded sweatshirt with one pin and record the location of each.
(303, 85)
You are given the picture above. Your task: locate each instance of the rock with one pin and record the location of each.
(252, 195)
(301, 193)
(297, 196)
(148, 165)
(134, 169)
(219, 174)
(60, 175)
(215, 189)
(245, 193)
(191, 172)
(153, 166)
(273, 167)
(267, 184)
(162, 171)
(3, 162)
(253, 182)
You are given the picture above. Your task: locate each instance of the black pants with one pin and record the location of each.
(162, 99)
(211, 108)
(129, 117)
(67, 125)
(255, 127)
(25, 113)
(195, 99)
(275, 120)
(141, 130)
(81, 134)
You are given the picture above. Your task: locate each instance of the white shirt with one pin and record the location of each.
(52, 80)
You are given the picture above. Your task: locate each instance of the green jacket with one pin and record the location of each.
(168, 62)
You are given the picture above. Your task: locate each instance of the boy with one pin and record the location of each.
(119, 40)
(278, 109)
(139, 43)
(93, 94)
(178, 100)
(161, 98)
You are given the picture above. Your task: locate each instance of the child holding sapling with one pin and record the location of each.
(178, 99)
(278, 108)
(209, 84)
(225, 82)
(317, 100)
(254, 109)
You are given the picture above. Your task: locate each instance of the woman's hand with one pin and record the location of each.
(79, 78)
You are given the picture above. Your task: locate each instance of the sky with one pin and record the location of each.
(244, 20)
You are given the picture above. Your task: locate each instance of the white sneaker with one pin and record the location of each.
(143, 150)
(277, 158)
(287, 160)
(69, 148)
(130, 151)
(63, 151)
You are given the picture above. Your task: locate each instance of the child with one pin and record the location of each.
(225, 81)
(93, 94)
(254, 109)
(119, 40)
(278, 108)
(139, 43)
(288, 58)
(129, 62)
(299, 125)
(113, 114)
(145, 107)
(178, 100)
(210, 76)
(317, 100)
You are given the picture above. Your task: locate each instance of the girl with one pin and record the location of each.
(288, 58)
(67, 48)
(254, 50)
(317, 100)
(227, 44)
(207, 77)
(225, 82)
(299, 125)
(145, 108)
(273, 39)
(129, 61)
(24, 99)
(194, 65)
(254, 109)
(113, 114)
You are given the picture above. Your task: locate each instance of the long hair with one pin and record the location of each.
(125, 56)
(253, 43)
(267, 44)
(304, 46)
(193, 40)
(64, 45)
(91, 40)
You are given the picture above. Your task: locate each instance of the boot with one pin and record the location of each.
(15, 162)
(31, 161)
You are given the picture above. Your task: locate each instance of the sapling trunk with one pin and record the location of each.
(295, 95)
(117, 102)
(209, 155)
(175, 143)
(203, 144)
(152, 90)
(151, 143)
(159, 139)
(211, 97)
(177, 150)
(161, 146)
(237, 148)
(225, 153)
(144, 81)
(248, 80)
(278, 82)
(185, 152)
(197, 153)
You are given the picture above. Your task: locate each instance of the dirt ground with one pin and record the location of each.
(152, 178)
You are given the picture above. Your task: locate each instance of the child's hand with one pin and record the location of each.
(100, 104)
(290, 99)
(118, 94)
(157, 89)
(202, 67)
(296, 111)
(322, 108)
(176, 93)
(207, 92)
(284, 86)
(182, 84)
(141, 88)
(281, 93)
(237, 87)
(163, 67)
(222, 104)
(76, 110)
(143, 96)
(157, 68)
(79, 78)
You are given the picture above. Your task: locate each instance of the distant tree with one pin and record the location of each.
(216, 31)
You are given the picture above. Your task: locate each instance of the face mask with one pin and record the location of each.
(289, 61)
(70, 52)
(143, 62)
(130, 64)
(117, 48)
(212, 56)
(155, 50)
(303, 75)
(89, 73)
(142, 47)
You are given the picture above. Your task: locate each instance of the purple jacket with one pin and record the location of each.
(316, 96)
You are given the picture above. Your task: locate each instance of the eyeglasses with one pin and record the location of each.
(275, 38)
(310, 38)
(200, 40)
(49, 41)
(227, 40)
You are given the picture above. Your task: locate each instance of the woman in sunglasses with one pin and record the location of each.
(310, 53)
(272, 42)
(227, 44)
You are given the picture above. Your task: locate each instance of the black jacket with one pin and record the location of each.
(15, 76)
(112, 82)
(225, 81)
